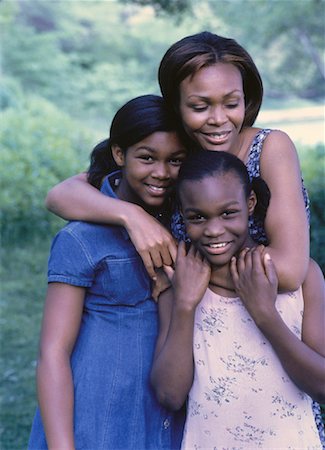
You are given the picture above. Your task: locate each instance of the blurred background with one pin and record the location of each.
(67, 66)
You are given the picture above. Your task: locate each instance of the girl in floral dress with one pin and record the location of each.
(248, 358)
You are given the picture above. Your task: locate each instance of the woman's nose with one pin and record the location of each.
(217, 116)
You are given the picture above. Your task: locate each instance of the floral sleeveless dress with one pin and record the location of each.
(241, 396)
(256, 228)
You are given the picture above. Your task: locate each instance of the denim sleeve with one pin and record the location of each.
(69, 261)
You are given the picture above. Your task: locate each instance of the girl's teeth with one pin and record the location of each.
(158, 189)
(222, 244)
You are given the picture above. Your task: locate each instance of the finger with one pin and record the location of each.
(241, 262)
(169, 271)
(155, 292)
(270, 269)
(166, 256)
(181, 251)
(147, 261)
(257, 262)
(194, 253)
(172, 249)
(261, 248)
(234, 271)
(156, 258)
(249, 259)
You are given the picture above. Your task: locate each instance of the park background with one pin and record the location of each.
(66, 68)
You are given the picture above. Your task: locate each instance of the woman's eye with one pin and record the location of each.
(198, 108)
(232, 105)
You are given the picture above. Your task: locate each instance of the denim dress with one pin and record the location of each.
(114, 404)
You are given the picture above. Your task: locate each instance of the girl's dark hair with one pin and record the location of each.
(132, 123)
(209, 163)
(187, 56)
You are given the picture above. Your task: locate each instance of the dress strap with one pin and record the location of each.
(253, 162)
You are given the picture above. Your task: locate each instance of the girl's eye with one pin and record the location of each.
(229, 213)
(197, 218)
(176, 161)
(232, 105)
(147, 158)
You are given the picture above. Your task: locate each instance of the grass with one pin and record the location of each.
(23, 285)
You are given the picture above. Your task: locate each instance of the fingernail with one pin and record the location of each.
(267, 257)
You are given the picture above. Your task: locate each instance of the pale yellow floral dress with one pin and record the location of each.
(241, 396)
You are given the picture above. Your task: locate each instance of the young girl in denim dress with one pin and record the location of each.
(100, 320)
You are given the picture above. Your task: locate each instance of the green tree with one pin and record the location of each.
(40, 147)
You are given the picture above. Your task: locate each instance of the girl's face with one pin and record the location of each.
(216, 211)
(212, 106)
(150, 169)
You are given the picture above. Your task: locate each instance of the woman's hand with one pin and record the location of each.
(153, 242)
(256, 282)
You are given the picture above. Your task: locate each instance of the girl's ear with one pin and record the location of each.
(118, 155)
(251, 202)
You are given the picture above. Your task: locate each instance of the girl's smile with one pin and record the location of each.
(212, 106)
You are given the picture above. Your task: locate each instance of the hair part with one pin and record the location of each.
(133, 122)
(190, 54)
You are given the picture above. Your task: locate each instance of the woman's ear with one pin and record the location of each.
(251, 202)
(118, 155)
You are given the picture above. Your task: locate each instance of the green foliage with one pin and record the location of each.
(286, 41)
(165, 6)
(40, 147)
(23, 287)
(313, 169)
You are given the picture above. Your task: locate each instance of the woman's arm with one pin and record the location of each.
(172, 371)
(76, 199)
(304, 361)
(60, 327)
(286, 223)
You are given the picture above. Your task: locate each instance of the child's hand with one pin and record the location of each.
(191, 277)
(255, 282)
(161, 283)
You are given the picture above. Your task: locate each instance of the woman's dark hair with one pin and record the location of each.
(132, 123)
(209, 163)
(187, 56)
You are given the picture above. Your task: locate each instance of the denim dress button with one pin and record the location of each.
(166, 423)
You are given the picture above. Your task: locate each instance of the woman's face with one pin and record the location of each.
(212, 106)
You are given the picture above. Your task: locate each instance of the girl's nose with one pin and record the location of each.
(214, 227)
(161, 170)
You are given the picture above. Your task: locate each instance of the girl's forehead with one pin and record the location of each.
(212, 188)
(160, 141)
